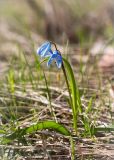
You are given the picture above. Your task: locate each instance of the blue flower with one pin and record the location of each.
(57, 57)
(45, 50)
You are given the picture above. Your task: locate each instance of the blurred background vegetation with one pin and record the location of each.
(28, 23)
(59, 20)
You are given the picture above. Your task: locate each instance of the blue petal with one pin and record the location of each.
(44, 49)
(51, 59)
(57, 57)
(59, 61)
(43, 46)
(47, 54)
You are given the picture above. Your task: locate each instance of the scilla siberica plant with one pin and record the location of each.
(46, 51)
(74, 98)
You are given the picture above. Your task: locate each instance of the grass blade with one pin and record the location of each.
(109, 128)
(19, 133)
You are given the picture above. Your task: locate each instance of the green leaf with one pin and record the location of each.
(19, 133)
(75, 95)
(73, 86)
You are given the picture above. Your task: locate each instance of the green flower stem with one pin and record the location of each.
(67, 83)
(71, 103)
(70, 94)
(64, 71)
(54, 45)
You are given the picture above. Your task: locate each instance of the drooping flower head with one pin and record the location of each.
(46, 51)
(56, 56)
